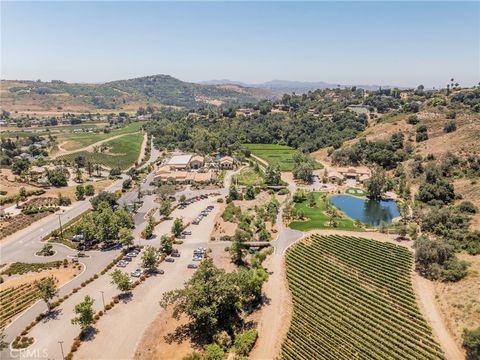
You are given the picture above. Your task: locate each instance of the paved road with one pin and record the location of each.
(22, 246)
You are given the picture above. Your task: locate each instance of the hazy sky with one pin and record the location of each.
(397, 43)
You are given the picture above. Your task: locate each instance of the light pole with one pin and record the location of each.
(103, 300)
(60, 222)
(61, 348)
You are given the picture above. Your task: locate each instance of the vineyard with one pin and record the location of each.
(353, 299)
(122, 153)
(16, 299)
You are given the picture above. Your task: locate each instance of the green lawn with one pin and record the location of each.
(317, 219)
(274, 154)
(356, 192)
(248, 176)
(359, 110)
(123, 152)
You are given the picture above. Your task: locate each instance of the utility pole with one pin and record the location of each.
(61, 348)
(60, 222)
(103, 300)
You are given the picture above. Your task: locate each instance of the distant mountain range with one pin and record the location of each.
(50, 97)
(26, 96)
(279, 87)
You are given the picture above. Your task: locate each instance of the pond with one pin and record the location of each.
(371, 212)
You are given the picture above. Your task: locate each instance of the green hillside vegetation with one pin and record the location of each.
(353, 299)
(155, 89)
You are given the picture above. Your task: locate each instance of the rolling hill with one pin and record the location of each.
(40, 97)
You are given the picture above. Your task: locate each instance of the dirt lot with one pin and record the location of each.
(158, 342)
(62, 275)
(460, 302)
(8, 183)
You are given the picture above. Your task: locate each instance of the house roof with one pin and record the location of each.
(226, 159)
(197, 158)
(180, 160)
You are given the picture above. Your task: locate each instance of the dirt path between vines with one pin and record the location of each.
(142, 149)
(89, 148)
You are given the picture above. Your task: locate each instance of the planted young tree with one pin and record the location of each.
(233, 193)
(47, 290)
(89, 190)
(165, 208)
(272, 175)
(311, 200)
(250, 193)
(80, 192)
(166, 244)
(147, 233)
(148, 258)
(177, 226)
(121, 280)
(84, 312)
(125, 237)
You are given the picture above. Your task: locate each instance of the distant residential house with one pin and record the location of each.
(335, 176)
(226, 163)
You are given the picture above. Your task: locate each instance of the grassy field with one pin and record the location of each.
(123, 152)
(59, 130)
(358, 110)
(274, 154)
(317, 219)
(80, 140)
(248, 176)
(353, 299)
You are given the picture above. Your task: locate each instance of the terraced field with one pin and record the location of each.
(122, 153)
(353, 299)
(274, 154)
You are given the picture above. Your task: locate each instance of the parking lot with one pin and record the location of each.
(144, 304)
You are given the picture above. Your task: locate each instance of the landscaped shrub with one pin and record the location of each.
(245, 341)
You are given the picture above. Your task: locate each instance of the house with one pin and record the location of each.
(167, 175)
(196, 162)
(179, 162)
(226, 163)
(335, 176)
(358, 173)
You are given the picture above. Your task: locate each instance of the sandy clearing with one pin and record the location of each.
(154, 345)
(61, 275)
